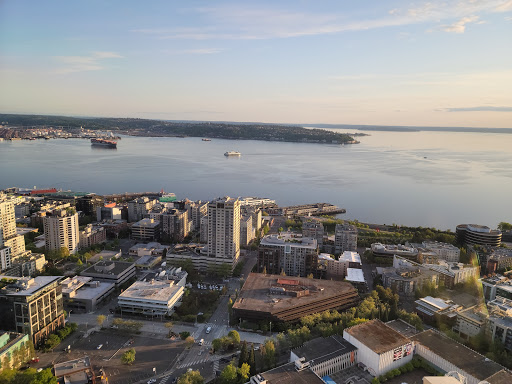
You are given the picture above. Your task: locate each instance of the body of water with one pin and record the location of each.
(433, 179)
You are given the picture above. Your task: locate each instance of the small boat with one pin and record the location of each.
(232, 153)
(207, 139)
(104, 143)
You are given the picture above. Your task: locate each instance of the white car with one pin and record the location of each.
(208, 330)
(99, 346)
(151, 381)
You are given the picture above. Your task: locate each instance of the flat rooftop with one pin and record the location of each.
(377, 336)
(458, 354)
(106, 268)
(350, 256)
(255, 294)
(322, 349)
(71, 366)
(402, 327)
(502, 377)
(355, 275)
(32, 285)
(287, 374)
(286, 239)
(151, 291)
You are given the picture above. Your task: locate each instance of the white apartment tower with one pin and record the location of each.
(61, 230)
(8, 236)
(224, 229)
(345, 238)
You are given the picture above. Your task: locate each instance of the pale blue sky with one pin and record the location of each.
(440, 63)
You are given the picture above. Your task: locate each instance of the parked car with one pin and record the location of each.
(151, 381)
(99, 346)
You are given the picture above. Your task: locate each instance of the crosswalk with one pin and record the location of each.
(193, 363)
(165, 378)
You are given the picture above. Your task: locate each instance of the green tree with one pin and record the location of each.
(217, 345)
(235, 336)
(503, 226)
(191, 377)
(252, 361)
(189, 341)
(243, 373)
(269, 355)
(229, 375)
(63, 253)
(128, 357)
(244, 354)
(52, 342)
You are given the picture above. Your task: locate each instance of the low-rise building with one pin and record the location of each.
(406, 277)
(313, 229)
(83, 294)
(287, 374)
(149, 249)
(117, 272)
(454, 273)
(198, 256)
(448, 252)
(379, 347)
(389, 251)
(14, 349)
(430, 307)
(470, 322)
(490, 285)
(146, 230)
(334, 269)
(276, 298)
(447, 355)
(109, 212)
(92, 235)
(147, 262)
(499, 260)
(152, 298)
(28, 265)
(355, 276)
(78, 371)
(325, 356)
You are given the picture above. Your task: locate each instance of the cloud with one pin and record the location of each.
(477, 109)
(241, 22)
(460, 25)
(93, 62)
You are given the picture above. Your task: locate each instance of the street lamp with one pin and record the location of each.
(270, 327)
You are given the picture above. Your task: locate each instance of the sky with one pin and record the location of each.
(374, 62)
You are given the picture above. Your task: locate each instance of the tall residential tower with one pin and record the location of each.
(224, 229)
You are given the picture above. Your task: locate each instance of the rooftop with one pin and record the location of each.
(289, 240)
(287, 374)
(501, 377)
(69, 367)
(459, 355)
(83, 287)
(355, 275)
(402, 327)
(377, 336)
(150, 223)
(151, 290)
(107, 268)
(255, 294)
(323, 349)
(349, 256)
(27, 286)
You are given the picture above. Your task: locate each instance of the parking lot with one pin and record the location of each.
(151, 353)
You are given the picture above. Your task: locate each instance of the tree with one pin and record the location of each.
(217, 345)
(191, 377)
(269, 355)
(310, 276)
(63, 253)
(100, 319)
(229, 375)
(189, 341)
(244, 372)
(235, 336)
(244, 355)
(252, 361)
(52, 342)
(128, 357)
(503, 226)
(264, 270)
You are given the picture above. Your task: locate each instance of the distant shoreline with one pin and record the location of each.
(389, 128)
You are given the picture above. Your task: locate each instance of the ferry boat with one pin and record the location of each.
(232, 153)
(207, 139)
(104, 143)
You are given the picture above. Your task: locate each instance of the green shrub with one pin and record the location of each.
(184, 335)
(375, 380)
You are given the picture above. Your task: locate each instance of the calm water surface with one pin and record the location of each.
(413, 178)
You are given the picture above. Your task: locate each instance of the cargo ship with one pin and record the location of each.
(232, 153)
(104, 143)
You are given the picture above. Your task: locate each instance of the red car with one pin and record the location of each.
(34, 360)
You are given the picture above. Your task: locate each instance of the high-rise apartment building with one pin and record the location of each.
(61, 230)
(345, 238)
(8, 236)
(313, 229)
(224, 229)
(139, 207)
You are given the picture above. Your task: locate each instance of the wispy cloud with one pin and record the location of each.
(460, 25)
(242, 22)
(477, 109)
(93, 62)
